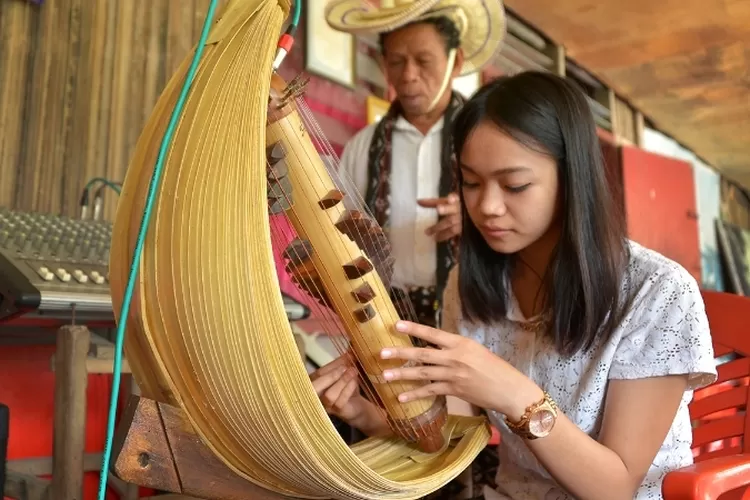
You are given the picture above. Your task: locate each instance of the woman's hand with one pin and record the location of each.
(338, 389)
(462, 368)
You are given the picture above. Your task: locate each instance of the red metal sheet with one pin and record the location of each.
(660, 204)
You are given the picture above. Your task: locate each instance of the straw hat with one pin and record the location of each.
(480, 23)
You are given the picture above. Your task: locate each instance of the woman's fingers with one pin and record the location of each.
(336, 365)
(432, 373)
(347, 392)
(322, 383)
(336, 390)
(427, 391)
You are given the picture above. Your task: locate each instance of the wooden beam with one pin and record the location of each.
(558, 55)
(71, 381)
(42, 466)
(25, 487)
(640, 126)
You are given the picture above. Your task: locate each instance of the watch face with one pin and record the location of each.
(541, 423)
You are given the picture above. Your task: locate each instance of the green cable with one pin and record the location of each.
(297, 13)
(104, 181)
(155, 179)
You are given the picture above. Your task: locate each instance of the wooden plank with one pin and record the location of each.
(640, 126)
(96, 365)
(71, 380)
(16, 41)
(78, 79)
(42, 466)
(101, 348)
(25, 487)
(157, 447)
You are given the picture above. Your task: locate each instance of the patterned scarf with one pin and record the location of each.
(378, 195)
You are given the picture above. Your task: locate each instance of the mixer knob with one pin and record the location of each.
(97, 278)
(45, 274)
(63, 274)
(26, 248)
(70, 245)
(80, 276)
(20, 239)
(4, 238)
(54, 244)
(82, 251)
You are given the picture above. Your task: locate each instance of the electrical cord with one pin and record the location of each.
(286, 41)
(85, 194)
(151, 197)
(284, 46)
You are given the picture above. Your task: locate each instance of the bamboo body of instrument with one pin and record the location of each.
(206, 329)
(353, 288)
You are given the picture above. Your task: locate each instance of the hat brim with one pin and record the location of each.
(481, 23)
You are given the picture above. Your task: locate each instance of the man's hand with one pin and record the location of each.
(449, 210)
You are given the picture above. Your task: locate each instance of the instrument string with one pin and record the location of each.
(341, 178)
(371, 350)
(312, 286)
(385, 259)
(401, 302)
(282, 235)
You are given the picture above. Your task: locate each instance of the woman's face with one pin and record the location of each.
(510, 190)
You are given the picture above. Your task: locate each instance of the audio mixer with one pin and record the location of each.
(54, 266)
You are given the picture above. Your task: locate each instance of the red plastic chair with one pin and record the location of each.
(720, 419)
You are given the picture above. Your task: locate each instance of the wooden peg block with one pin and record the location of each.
(277, 171)
(353, 222)
(279, 188)
(274, 153)
(297, 251)
(365, 314)
(363, 293)
(357, 268)
(278, 205)
(332, 199)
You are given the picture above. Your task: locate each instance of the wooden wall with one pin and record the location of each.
(78, 78)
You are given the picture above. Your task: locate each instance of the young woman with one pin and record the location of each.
(582, 347)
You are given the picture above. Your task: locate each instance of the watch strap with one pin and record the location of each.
(521, 426)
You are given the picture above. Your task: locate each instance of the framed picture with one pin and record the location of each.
(376, 108)
(329, 54)
(734, 244)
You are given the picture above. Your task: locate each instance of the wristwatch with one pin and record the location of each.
(538, 420)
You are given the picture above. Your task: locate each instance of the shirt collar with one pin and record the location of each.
(403, 125)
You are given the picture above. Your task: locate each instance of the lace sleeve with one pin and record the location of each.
(666, 333)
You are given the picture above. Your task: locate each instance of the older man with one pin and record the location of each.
(404, 165)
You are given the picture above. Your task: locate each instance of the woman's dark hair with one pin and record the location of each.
(583, 282)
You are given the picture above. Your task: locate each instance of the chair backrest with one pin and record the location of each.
(719, 412)
(4, 424)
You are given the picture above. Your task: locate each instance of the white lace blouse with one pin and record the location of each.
(665, 332)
